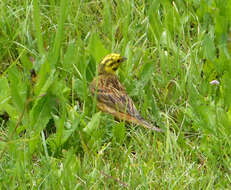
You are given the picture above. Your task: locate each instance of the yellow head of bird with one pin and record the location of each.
(110, 63)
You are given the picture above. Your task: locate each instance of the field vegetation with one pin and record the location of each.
(178, 73)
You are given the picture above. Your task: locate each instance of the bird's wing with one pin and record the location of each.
(112, 93)
(118, 100)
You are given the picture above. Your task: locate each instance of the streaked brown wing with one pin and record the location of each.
(118, 100)
(112, 93)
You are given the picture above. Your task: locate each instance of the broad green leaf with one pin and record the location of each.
(147, 72)
(46, 77)
(60, 31)
(107, 21)
(155, 28)
(93, 124)
(41, 112)
(37, 23)
(96, 48)
(10, 109)
(79, 88)
(209, 48)
(119, 132)
(73, 125)
(170, 94)
(226, 88)
(4, 92)
(25, 60)
(69, 57)
(17, 87)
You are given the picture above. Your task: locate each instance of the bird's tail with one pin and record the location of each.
(132, 119)
(145, 124)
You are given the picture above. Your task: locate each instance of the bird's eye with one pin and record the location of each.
(118, 61)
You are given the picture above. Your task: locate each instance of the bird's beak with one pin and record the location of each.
(124, 59)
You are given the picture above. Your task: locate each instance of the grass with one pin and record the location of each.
(53, 137)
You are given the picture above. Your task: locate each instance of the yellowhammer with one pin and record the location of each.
(111, 95)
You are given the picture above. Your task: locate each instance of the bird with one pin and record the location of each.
(111, 95)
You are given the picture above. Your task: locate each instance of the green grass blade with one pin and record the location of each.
(37, 23)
